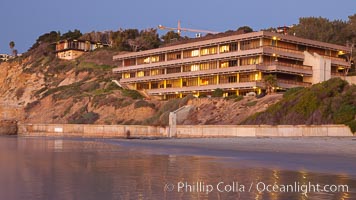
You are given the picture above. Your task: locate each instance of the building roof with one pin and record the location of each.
(234, 37)
(74, 40)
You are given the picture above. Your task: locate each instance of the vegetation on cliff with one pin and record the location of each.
(330, 102)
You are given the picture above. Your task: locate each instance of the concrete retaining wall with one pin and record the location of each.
(182, 131)
(98, 131)
(187, 131)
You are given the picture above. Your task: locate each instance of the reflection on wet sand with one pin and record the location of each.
(85, 169)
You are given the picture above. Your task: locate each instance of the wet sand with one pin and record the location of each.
(322, 154)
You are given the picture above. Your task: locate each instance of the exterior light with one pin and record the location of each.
(274, 38)
(254, 87)
(341, 52)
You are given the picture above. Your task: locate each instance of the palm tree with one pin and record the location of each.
(270, 83)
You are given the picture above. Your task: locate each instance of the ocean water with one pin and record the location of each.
(68, 169)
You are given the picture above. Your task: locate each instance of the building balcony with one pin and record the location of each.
(296, 54)
(205, 88)
(269, 67)
(284, 83)
(248, 84)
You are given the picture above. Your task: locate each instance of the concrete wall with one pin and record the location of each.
(350, 79)
(182, 131)
(98, 131)
(261, 131)
(321, 67)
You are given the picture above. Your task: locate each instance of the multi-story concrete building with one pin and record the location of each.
(235, 63)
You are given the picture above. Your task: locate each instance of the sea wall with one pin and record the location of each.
(181, 131)
(97, 131)
(184, 131)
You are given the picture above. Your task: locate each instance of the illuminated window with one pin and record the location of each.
(225, 48)
(194, 68)
(140, 74)
(224, 64)
(195, 53)
(127, 75)
(208, 51)
(146, 60)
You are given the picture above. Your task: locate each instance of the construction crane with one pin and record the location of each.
(179, 29)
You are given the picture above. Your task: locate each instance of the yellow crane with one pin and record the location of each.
(179, 29)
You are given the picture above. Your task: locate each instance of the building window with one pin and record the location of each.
(126, 75)
(173, 70)
(188, 82)
(142, 86)
(224, 48)
(194, 68)
(173, 83)
(208, 65)
(208, 51)
(250, 44)
(174, 56)
(154, 85)
(158, 58)
(191, 53)
(141, 73)
(157, 72)
(208, 80)
(223, 79)
(195, 53)
(250, 61)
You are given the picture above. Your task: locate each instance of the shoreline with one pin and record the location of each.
(322, 154)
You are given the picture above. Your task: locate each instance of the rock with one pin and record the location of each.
(8, 127)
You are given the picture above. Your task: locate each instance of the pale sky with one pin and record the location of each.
(23, 20)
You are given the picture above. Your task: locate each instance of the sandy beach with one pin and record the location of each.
(322, 154)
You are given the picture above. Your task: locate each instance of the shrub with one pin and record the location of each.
(203, 95)
(31, 105)
(112, 86)
(83, 118)
(352, 126)
(235, 97)
(292, 91)
(218, 92)
(251, 103)
(344, 114)
(162, 115)
(132, 94)
(19, 92)
(143, 103)
(89, 86)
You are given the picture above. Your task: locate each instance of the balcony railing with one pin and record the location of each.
(291, 82)
(301, 52)
(286, 65)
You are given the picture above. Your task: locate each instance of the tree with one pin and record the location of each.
(12, 46)
(321, 29)
(50, 37)
(76, 34)
(270, 83)
(121, 37)
(244, 29)
(218, 93)
(170, 36)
